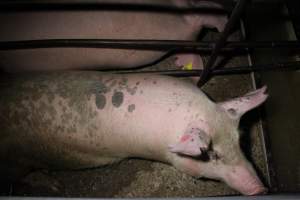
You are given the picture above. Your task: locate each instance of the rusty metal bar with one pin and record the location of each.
(233, 20)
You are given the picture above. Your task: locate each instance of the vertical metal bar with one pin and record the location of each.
(233, 20)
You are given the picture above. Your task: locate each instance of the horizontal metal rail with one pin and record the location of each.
(32, 5)
(142, 44)
(223, 71)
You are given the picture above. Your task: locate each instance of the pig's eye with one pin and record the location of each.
(214, 155)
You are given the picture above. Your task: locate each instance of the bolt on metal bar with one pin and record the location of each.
(235, 16)
(285, 66)
(142, 44)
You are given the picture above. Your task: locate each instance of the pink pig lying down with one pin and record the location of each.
(34, 25)
(77, 120)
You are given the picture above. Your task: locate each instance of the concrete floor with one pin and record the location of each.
(142, 178)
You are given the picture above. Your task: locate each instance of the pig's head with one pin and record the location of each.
(214, 144)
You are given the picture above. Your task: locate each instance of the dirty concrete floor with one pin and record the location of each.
(143, 178)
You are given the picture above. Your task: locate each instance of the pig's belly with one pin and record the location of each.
(76, 58)
(86, 25)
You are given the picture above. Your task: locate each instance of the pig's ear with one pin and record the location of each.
(239, 106)
(192, 143)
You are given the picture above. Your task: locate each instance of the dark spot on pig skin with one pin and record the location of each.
(112, 84)
(100, 87)
(131, 108)
(232, 111)
(137, 83)
(141, 92)
(100, 101)
(170, 110)
(117, 99)
(131, 91)
(123, 83)
(154, 82)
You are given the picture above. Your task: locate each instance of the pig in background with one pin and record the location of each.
(34, 25)
(76, 120)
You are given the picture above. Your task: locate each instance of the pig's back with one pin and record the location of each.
(47, 122)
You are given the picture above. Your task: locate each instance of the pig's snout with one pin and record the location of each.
(254, 188)
(258, 190)
(245, 180)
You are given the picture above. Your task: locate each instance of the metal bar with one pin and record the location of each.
(142, 44)
(223, 71)
(102, 43)
(33, 5)
(235, 16)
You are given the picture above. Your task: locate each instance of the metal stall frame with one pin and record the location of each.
(221, 46)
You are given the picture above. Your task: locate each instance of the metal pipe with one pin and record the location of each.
(142, 44)
(32, 5)
(235, 16)
(103, 43)
(223, 71)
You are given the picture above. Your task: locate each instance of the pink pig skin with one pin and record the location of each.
(76, 120)
(33, 25)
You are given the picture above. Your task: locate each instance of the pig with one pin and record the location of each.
(85, 119)
(35, 25)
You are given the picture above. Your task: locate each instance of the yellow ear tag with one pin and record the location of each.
(188, 66)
